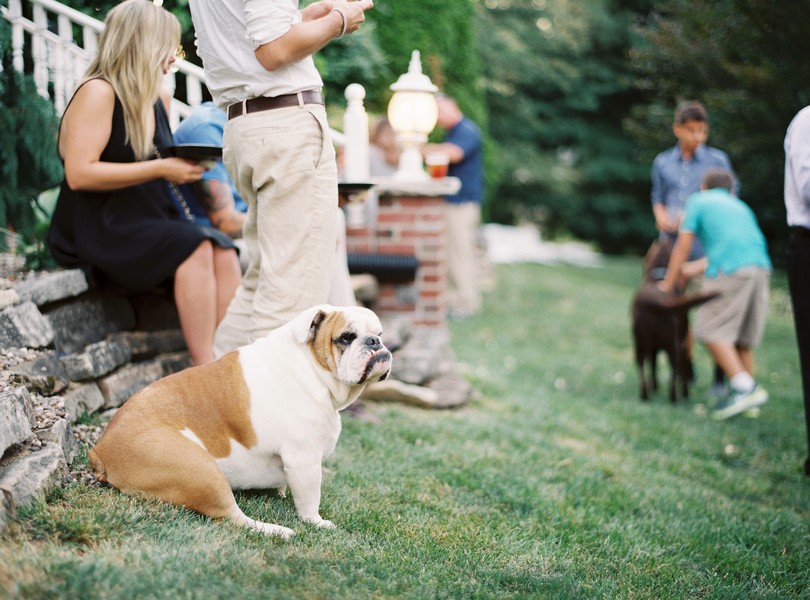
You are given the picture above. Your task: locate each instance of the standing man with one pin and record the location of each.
(677, 172)
(463, 145)
(257, 56)
(797, 203)
(676, 175)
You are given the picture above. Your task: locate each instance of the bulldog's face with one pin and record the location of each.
(347, 341)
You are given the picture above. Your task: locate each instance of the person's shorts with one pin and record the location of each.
(737, 316)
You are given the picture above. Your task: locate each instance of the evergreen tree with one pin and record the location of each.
(747, 61)
(558, 88)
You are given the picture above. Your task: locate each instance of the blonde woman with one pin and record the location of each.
(115, 217)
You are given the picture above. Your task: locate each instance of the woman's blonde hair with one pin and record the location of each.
(138, 39)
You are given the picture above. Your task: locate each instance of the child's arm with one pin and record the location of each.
(683, 245)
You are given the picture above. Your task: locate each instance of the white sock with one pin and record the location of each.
(743, 382)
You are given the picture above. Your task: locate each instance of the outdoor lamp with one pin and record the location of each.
(412, 113)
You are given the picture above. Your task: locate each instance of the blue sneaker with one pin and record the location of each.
(738, 402)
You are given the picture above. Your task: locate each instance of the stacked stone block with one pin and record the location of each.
(69, 351)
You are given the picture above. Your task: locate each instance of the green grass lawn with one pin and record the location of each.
(556, 482)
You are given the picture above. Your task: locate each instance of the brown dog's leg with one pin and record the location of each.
(643, 391)
(642, 379)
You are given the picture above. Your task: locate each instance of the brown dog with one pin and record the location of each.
(660, 323)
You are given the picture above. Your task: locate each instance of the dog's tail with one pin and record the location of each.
(98, 467)
(688, 301)
(656, 299)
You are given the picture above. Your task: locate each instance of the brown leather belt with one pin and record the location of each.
(260, 103)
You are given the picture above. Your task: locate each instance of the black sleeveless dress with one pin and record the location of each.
(134, 238)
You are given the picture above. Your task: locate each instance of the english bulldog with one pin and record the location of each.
(264, 416)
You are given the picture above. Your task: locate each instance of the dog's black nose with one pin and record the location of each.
(373, 342)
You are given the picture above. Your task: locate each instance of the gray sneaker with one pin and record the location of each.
(738, 402)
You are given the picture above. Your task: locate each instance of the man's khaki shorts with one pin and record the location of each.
(738, 315)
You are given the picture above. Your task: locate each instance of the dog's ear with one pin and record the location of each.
(317, 320)
(306, 325)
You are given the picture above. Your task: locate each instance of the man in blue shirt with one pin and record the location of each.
(214, 198)
(738, 267)
(676, 175)
(677, 172)
(464, 146)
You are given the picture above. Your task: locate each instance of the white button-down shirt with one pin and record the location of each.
(228, 33)
(797, 170)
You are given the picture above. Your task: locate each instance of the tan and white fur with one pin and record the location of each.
(264, 416)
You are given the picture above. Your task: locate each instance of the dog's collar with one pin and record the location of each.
(658, 274)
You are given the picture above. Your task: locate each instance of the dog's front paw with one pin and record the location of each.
(322, 523)
(325, 524)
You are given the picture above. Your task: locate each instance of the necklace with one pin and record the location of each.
(178, 195)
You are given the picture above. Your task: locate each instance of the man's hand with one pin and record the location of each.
(663, 222)
(354, 12)
(316, 10)
(321, 22)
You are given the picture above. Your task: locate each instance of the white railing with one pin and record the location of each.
(43, 43)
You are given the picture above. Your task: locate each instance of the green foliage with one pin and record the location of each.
(556, 482)
(356, 58)
(558, 88)
(29, 162)
(747, 61)
(576, 98)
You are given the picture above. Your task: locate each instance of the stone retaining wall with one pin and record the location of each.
(67, 351)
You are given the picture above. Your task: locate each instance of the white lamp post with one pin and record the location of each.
(412, 113)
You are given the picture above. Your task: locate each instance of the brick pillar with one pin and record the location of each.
(410, 221)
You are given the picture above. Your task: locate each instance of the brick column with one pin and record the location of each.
(410, 221)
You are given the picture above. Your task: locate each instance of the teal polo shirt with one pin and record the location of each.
(728, 230)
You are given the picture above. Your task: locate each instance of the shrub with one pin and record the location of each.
(29, 163)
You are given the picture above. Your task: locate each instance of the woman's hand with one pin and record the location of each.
(180, 170)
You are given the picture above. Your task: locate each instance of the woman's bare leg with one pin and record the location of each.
(195, 294)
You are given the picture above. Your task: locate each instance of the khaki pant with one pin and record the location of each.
(283, 165)
(463, 290)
